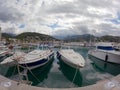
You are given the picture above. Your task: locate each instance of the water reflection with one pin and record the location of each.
(52, 77)
(102, 66)
(71, 73)
(39, 74)
(11, 71)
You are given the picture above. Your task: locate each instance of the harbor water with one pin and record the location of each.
(57, 74)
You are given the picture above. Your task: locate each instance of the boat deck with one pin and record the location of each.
(108, 84)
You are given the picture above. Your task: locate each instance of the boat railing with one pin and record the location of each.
(22, 58)
(17, 58)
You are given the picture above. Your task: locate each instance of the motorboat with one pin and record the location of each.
(42, 75)
(4, 51)
(100, 65)
(12, 60)
(37, 58)
(71, 73)
(106, 52)
(117, 47)
(72, 58)
(33, 59)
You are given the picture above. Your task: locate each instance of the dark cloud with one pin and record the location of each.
(10, 30)
(73, 16)
(9, 13)
(83, 29)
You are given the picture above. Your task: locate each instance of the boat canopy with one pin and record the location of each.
(105, 47)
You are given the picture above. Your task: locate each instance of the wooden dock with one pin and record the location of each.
(108, 84)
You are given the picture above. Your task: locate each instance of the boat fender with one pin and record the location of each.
(106, 57)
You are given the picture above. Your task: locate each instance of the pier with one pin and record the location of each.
(108, 84)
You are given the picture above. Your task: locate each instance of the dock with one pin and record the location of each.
(107, 84)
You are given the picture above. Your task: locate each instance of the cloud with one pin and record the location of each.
(98, 17)
(8, 13)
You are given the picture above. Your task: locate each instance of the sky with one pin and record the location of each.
(61, 17)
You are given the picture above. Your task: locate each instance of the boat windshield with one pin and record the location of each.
(105, 47)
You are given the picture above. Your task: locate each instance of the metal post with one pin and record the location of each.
(0, 34)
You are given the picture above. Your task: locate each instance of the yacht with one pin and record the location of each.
(105, 51)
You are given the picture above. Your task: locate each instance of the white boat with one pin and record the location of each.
(33, 59)
(4, 51)
(72, 58)
(11, 60)
(117, 47)
(3, 54)
(105, 51)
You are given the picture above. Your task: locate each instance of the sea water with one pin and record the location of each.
(57, 74)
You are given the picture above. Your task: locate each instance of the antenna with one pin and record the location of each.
(0, 34)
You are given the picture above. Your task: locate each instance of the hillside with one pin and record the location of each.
(34, 36)
(28, 36)
(80, 38)
(88, 37)
(7, 35)
(110, 38)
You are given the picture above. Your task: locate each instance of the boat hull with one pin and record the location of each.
(105, 56)
(38, 63)
(69, 72)
(3, 56)
(65, 60)
(103, 66)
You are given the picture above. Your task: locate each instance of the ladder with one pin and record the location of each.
(22, 75)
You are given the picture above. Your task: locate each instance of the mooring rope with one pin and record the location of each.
(74, 76)
(32, 73)
(17, 59)
(14, 71)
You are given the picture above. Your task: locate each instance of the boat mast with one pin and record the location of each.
(0, 34)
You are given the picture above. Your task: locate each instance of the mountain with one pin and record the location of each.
(88, 37)
(59, 37)
(110, 38)
(8, 35)
(80, 38)
(28, 36)
(34, 36)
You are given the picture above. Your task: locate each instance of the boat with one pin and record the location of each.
(4, 52)
(106, 52)
(33, 59)
(72, 58)
(10, 61)
(72, 74)
(117, 47)
(42, 75)
(101, 66)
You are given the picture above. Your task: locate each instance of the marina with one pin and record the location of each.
(57, 74)
(59, 45)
